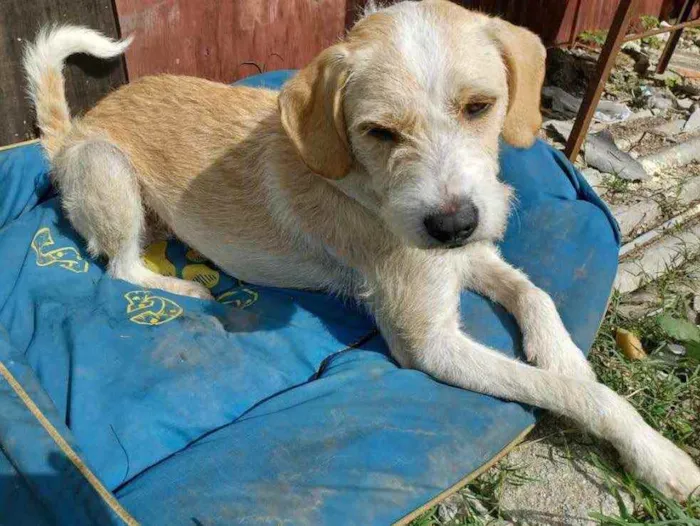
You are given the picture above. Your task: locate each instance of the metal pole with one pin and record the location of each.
(674, 37)
(595, 88)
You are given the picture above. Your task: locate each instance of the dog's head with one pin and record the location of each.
(405, 116)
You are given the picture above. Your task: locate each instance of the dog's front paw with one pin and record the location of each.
(661, 463)
(560, 356)
(191, 289)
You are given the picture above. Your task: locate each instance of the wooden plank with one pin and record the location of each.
(221, 40)
(87, 80)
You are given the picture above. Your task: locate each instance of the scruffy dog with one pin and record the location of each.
(373, 173)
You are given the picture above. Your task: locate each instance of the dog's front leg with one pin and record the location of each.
(415, 299)
(546, 342)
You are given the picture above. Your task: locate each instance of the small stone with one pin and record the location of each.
(670, 128)
(643, 296)
(593, 176)
(449, 508)
(676, 349)
(696, 303)
(689, 192)
(632, 47)
(636, 217)
(693, 122)
(658, 102)
(602, 153)
(685, 104)
(633, 312)
(641, 65)
(641, 114)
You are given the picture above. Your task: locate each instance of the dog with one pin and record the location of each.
(372, 174)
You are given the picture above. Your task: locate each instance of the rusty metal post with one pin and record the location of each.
(596, 86)
(674, 37)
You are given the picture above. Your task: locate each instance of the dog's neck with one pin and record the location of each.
(317, 202)
(353, 186)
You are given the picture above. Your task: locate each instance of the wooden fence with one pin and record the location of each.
(225, 40)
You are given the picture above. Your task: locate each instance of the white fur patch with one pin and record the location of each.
(54, 44)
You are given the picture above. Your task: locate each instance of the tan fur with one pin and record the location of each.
(52, 111)
(298, 190)
(311, 109)
(524, 54)
(215, 138)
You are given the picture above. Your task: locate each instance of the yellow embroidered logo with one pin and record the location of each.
(240, 297)
(146, 309)
(67, 257)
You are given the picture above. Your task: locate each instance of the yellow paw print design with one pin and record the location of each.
(203, 274)
(146, 309)
(155, 259)
(240, 297)
(67, 257)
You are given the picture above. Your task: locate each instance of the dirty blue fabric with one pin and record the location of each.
(268, 405)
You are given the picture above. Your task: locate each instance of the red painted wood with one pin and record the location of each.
(215, 38)
(557, 20)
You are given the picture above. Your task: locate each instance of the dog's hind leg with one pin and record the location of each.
(101, 197)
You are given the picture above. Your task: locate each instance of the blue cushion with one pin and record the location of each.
(269, 405)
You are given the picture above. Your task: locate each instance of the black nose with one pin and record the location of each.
(453, 228)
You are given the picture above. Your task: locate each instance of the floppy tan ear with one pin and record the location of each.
(311, 108)
(525, 57)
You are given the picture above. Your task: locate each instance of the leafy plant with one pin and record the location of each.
(682, 331)
(594, 37)
(649, 22)
(653, 42)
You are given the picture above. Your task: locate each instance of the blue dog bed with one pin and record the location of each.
(269, 406)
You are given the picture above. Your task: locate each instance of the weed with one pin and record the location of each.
(653, 42)
(672, 83)
(593, 37)
(649, 507)
(481, 498)
(615, 185)
(649, 22)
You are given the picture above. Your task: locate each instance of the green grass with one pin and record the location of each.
(653, 42)
(615, 185)
(596, 38)
(666, 393)
(481, 497)
(649, 506)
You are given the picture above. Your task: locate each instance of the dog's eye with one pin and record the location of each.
(476, 109)
(382, 134)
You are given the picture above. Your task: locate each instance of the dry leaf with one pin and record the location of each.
(630, 345)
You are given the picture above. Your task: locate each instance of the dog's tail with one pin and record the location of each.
(43, 64)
